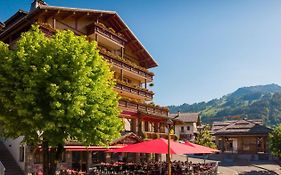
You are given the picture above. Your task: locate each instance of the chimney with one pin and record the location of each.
(36, 4)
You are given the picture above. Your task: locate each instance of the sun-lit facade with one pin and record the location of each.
(128, 58)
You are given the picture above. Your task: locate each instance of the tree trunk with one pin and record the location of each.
(46, 157)
(55, 157)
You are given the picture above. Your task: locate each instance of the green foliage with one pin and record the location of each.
(275, 141)
(205, 138)
(57, 88)
(257, 102)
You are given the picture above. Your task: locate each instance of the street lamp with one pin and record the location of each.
(170, 123)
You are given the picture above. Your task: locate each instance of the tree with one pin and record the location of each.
(205, 138)
(57, 88)
(275, 141)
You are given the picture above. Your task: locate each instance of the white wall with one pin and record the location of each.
(192, 129)
(127, 124)
(234, 144)
(13, 145)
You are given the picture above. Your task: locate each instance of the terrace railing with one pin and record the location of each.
(144, 108)
(106, 32)
(126, 65)
(135, 90)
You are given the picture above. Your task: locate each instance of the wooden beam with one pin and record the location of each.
(132, 42)
(43, 13)
(71, 28)
(82, 15)
(53, 15)
(123, 30)
(139, 51)
(109, 18)
(68, 15)
(54, 22)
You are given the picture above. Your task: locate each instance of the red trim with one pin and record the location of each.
(89, 148)
(152, 118)
(130, 113)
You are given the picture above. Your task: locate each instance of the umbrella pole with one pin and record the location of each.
(169, 154)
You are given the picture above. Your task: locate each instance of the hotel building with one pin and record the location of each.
(130, 62)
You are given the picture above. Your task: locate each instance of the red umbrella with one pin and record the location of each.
(160, 146)
(200, 147)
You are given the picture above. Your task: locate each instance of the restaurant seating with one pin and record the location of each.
(147, 168)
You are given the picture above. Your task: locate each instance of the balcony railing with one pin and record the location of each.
(126, 64)
(144, 108)
(148, 95)
(106, 32)
(156, 135)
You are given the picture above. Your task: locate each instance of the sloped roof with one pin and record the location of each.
(112, 17)
(186, 117)
(18, 15)
(125, 137)
(240, 127)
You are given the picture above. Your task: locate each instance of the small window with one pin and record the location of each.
(21, 158)
(188, 128)
(182, 129)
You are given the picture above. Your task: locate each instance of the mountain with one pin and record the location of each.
(254, 102)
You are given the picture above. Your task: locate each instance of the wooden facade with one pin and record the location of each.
(118, 45)
(241, 136)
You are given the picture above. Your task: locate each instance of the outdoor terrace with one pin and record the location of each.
(134, 91)
(148, 109)
(127, 65)
(106, 32)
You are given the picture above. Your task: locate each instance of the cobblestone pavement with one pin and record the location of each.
(241, 167)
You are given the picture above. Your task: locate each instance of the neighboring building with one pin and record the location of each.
(241, 136)
(119, 46)
(186, 129)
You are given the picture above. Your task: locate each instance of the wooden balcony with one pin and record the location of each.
(134, 90)
(156, 135)
(124, 64)
(144, 108)
(106, 32)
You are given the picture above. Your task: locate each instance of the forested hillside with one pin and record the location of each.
(262, 102)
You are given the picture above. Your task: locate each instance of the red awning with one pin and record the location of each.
(90, 148)
(159, 146)
(200, 147)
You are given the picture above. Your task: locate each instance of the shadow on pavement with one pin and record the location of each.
(258, 173)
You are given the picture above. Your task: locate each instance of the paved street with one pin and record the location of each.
(241, 167)
(253, 168)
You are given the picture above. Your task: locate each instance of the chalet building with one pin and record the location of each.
(186, 129)
(241, 136)
(130, 62)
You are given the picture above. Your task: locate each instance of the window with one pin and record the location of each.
(182, 129)
(21, 158)
(188, 128)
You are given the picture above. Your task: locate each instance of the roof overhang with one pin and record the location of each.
(115, 20)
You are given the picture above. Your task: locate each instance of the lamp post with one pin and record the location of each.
(170, 125)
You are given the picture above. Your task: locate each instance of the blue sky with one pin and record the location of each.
(205, 49)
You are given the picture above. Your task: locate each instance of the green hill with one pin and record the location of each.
(261, 102)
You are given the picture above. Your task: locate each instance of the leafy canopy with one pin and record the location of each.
(205, 138)
(57, 88)
(275, 141)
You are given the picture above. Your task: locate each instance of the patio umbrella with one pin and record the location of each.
(160, 146)
(200, 147)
